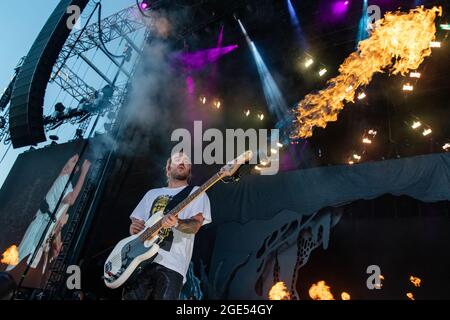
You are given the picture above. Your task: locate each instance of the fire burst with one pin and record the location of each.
(320, 291)
(345, 296)
(415, 281)
(11, 256)
(279, 292)
(399, 44)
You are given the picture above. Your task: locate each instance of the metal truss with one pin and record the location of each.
(4, 131)
(118, 25)
(113, 27)
(70, 82)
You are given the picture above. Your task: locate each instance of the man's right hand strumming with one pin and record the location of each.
(136, 226)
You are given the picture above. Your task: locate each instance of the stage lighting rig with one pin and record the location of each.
(59, 108)
(78, 134)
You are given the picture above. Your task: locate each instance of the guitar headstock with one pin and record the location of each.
(231, 167)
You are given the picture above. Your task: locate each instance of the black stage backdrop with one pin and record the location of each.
(404, 237)
(425, 178)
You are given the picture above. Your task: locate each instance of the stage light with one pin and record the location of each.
(59, 108)
(356, 157)
(203, 99)
(217, 104)
(279, 145)
(446, 146)
(416, 124)
(274, 98)
(54, 137)
(435, 44)
(351, 162)
(247, 112)
(415, 75)
(363, 23)
(361, 96)
(445, 27)
(273, 151)
(145, 5)
(426, 132)
(322, 71)
(300, 36)
(309, 62)
(408, 87)
(372, 132)
(261, 116)
(367, 141)
(79, 134)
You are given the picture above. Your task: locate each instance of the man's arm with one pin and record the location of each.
(71, 197)
(189, 226)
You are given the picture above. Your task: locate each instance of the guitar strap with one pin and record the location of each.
(179, 197)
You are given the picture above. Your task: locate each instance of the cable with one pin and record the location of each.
(100, 33)
(5, 153)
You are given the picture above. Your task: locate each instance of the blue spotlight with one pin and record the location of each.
(296, 24)
(275, 101)
(363, 24)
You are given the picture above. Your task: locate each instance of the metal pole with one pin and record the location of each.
(101, 74)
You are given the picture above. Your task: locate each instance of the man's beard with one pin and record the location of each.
(180, 176)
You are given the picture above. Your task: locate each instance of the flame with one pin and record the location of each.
(378, 286)
(11, 256)
(320, 291)
(279, 292)
(345, 296)
(415, 281)
(410, 296)
(399, 43)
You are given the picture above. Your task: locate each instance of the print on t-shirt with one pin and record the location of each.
(159, 205)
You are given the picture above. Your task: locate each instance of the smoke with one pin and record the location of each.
(156, 98)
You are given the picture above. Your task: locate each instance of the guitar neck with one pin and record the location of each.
(183, 204)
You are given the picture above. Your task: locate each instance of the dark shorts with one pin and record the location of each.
(154, 282)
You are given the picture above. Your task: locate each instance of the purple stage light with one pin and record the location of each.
(190, 85)
(340, 7)
(144, 5)
(199, 59)
(219, 42)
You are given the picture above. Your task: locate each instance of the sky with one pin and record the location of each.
(19, 26)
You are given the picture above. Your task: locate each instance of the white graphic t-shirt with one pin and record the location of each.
(176, 251)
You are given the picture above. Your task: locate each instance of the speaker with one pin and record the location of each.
(26, 121)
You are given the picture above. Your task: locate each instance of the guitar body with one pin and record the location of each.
(128, 254)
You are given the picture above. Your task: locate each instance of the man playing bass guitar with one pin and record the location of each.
(164, 277)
